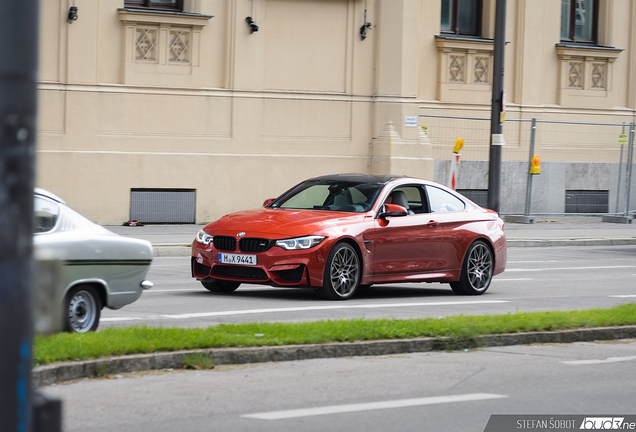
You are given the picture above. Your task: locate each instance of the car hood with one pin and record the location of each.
(269, 222)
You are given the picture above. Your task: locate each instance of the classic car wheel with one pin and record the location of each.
(342, 273)
(216, 285)
(476, 271)
(83, 308)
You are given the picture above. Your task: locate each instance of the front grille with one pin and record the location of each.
(294, 275)
(225, 243)
(240, 272)
(255, 244)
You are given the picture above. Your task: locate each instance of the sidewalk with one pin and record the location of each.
(170, 240)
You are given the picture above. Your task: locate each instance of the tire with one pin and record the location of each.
(342, 273)
(477, 270)
(83, 308)
(220, 286)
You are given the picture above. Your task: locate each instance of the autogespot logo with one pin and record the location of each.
(606, 423)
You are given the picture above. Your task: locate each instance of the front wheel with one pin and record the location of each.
(83, 308)
(477, 270)
(216, 285)
(342, 273)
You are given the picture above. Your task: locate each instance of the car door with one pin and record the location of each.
(407, 245)
(447, 218)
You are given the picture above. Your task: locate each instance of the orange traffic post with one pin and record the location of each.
(459, 144)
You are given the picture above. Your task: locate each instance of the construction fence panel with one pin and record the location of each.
(585, 166)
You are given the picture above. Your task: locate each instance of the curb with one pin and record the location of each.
(59, 372)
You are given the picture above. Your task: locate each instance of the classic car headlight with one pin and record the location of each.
(300, 242)
(204, 238)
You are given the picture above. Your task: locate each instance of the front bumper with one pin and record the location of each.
(276, 266)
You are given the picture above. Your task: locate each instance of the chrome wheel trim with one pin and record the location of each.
(82, 311)
(344, 271)
(480, 265)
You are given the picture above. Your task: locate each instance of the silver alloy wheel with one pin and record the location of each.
(480, 265)
(82, 311)
(344, 271)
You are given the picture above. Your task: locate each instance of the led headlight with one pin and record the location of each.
(204, 238)
(300, 242)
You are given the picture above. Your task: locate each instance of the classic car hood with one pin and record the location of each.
(280, 222)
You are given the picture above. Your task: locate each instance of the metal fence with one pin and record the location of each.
(586, 167)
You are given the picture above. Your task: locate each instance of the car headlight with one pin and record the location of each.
(300, 242)
(204, 238)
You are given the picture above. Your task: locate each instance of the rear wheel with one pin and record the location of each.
(477, 270)
(216, 285)
(342, 273)
(83, 308)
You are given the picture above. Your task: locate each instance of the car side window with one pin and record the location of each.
(442, 201)
(45, 215)
(409, 197)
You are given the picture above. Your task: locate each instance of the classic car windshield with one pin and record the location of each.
(334, 195)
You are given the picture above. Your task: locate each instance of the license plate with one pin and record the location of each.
(226, 258)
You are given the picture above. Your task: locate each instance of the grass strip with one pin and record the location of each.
(142, 339)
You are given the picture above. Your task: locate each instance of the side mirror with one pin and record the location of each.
(392, 210)
(268, 201)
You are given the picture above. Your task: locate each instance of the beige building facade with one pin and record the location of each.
(135, 99)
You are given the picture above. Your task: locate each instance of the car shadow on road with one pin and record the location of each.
(389, 291)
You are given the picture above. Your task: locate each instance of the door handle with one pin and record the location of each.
(432, 224)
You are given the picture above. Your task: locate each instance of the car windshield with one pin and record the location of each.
(334, 195)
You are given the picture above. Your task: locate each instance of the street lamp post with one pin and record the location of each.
(18, 69)
(496, 118)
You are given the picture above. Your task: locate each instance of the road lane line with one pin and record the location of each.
(314, 308)
(595, 362)
(624, 296)
(512, 280)
(371, 406)
(531, 262)
(569, 268)
(175, 290)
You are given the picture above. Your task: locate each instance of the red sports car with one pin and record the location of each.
(339, 232)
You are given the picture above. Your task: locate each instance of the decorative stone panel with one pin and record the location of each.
(161, 48)
(465, 69)
(586, 76)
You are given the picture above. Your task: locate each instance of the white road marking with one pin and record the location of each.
(569, 268)
(371, 406)
(512, 280)
(595, 362)
(624, 296)
(301, 309)
(531, 262)
(175, 290)
(331, 307)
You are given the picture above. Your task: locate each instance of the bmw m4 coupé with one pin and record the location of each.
(339, 232)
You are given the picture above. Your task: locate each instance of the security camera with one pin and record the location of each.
(72, 14)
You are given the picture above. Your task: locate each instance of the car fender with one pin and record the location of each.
(100, 284)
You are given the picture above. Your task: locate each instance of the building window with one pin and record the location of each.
(461, 17)
(579, 21)
(170, 5)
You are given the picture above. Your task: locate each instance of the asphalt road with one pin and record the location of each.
(550, 278)
(441, 391)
